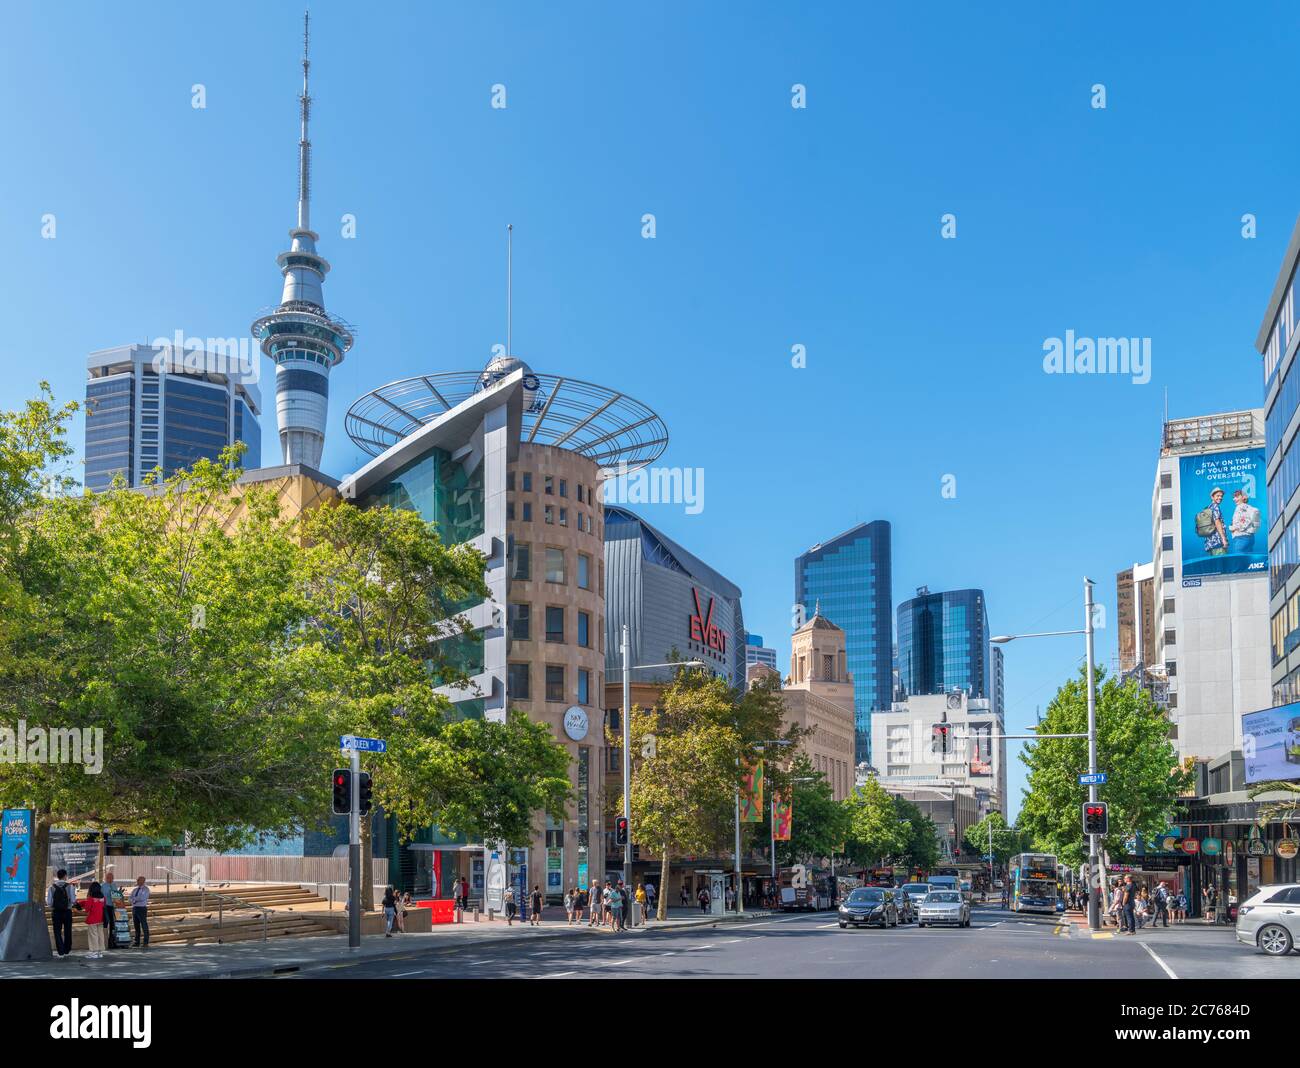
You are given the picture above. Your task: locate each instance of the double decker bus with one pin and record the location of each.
(1031, 881)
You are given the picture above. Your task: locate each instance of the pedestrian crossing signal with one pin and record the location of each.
(342, 781)
(1095, 817)
(363, 793)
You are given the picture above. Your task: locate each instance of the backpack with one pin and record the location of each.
(59, 899)
(1204, 523)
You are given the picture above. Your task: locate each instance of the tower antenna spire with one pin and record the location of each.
(510, 249)
(304, 143)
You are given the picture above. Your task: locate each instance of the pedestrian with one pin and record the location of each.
(94, 908)
(685, 899)
(1162, 905)
(569, 895)
(703, 898)
(729, 897)
(1142, 907)
(390, 911)
(404, 905)
(650, 895)
(535, 907)
(642, 901)
(1180, 907)
(625, 895)
(140, 913)
(615, 907)
(579, 903)
(60, 899)
(464, 894)
(1128, 896)
(1210, 897)
(1117, 902)
(510, 905)
(112, 892)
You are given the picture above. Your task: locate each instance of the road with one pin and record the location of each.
(998, 945)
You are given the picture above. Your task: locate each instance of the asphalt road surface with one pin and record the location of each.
(998, 945)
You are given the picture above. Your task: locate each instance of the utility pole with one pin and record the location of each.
(627, 762)
(354, 856)
(1094, 891)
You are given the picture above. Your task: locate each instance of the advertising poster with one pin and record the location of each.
(751, 794)
(783, 815)
(1270, 743)
(1224, 522)
(554, 871)
(15, 856)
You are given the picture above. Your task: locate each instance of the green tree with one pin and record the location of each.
(1133, 748)
(875, 831)
(820, 825)
(1007, 841)
(921, 848)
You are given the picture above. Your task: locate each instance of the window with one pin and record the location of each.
(549, 483)
(520, 620)
(1173, 701)
(555, 566)
(584, 630)
(517, 682)
(612, 716)
(510, 510)
(549, 514)
(1168, 606)
(1171, 637)
(554, 682)
(510, 480)
(828, 667)
(1289, 896)
(522, 561)
(1166, 480)
(528, 511)
(528, 482)
(564, 517)
(584, 686)
(1167, 574)
(1171, 668)
(564, 487)
(554, 624)
(1166, 511)
(584, 571)
(580, 500)
(1167, 543)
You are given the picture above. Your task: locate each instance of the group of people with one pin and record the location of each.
(610, 905)
(99, 908)
(1133, 907)
(396, 906)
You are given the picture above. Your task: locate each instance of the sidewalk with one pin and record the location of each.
(251, 959)
(1182, 932)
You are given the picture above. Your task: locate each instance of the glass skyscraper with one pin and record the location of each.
(848, 581)
(943, 644)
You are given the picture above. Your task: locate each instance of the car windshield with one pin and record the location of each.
(943, 897)
(917, 888)
(862, 897)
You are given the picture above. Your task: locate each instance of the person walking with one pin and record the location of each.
(650, 895)
(390, 911)
(94, 908)
(112, 893)
(685, 899)
(1162, 905)
(1128, 897)
(642, 901)
(1210, 896)
(568, 905)
(703, 898)
(579, 903)
(509, 899)
(60, 899)
(535, 907)
(1180, 907)
(140, 913)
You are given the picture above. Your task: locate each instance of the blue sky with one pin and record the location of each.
(775, 227)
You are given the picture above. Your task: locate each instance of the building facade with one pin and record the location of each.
(818, 697)
(146, 409)
(848, 579)
(1209, 579)
(758, 653)
(943, 644)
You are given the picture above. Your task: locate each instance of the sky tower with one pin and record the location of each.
(299, 335)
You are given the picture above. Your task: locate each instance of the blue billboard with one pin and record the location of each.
(15, 856)
(1224, 522)
(1270, 743)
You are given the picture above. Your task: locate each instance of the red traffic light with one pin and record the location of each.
(620, 831)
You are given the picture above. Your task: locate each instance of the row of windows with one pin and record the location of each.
(1280, 335)
(581, 520)
(1286, 628)
(519, 683)
(1284, 406)
(520, 618)
(555, 563)
(550, 484)
(1284, 556)
(1285, 479)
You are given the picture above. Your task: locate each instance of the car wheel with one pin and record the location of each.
(920, 924)
(1274, 939)
(843, 925)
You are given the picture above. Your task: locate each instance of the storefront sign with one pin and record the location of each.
(1169, 843)
(1257, 847)
(1229, 856)
(1287, 848)
(1211, 846)
(1191, 845)
(702, 627)
(555, 871)
(15, 856)
(575, 722)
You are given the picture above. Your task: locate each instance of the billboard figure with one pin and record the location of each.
(1245, 522)
(1209, 525)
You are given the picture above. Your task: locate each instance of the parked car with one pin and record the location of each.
(1270, 920)
(906, 906)
(869, 905)
(917, 892)
(945, 906)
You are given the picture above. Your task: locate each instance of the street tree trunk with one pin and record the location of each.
(103, 848)
(662, 911)
(40, 855)
(367, 867)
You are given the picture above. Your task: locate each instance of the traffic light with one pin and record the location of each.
(363, 793)
(342, 791)
(1095, 817)
(620, 831)
(941, 736)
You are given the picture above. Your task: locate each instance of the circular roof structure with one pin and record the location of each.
(602, 424)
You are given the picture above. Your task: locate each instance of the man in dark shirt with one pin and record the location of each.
(1128, 903)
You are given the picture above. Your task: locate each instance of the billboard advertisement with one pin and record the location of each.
(15, 856)
(1223, 522)
(1270, 743)
(751, 794)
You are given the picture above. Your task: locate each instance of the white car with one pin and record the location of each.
(944, 906)
(1270, 919)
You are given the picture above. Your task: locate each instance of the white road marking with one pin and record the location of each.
(556, 975)
(823, 926)
(730, 940)
(1168, 970)
(615, 963)
(691, 949)
(399, 975)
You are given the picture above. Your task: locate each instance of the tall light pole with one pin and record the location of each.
(1094, 890)
(628, 668)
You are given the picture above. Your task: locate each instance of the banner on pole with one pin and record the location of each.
(751, 794)
(783, 814)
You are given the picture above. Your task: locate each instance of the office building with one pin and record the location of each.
(848, 579)
(758, 653)
(1209, 579)
(943, 644)
(819, 696)
(299, 336)
(148, 407)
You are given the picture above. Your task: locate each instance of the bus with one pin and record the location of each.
(1031, 882)
(804, 888)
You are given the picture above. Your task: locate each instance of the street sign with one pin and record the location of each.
(1095, 779)
(363, 745)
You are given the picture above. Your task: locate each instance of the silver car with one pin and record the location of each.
(1271, 919)
(944, 906)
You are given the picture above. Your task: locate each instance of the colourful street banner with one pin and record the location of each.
(15, 856)
(783, 814)
(751, 794)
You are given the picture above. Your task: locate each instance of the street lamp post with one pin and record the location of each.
(1094, 890)
(628, 668)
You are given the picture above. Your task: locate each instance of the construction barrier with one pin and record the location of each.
(440, 911)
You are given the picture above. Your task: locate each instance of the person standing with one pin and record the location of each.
(390, 911)
(1129, 895)
(650, 895)
(1245, 522)
(94, 906)
(404, 905)
(1211, 898)
(60, 899)
(509, 898)
(1162, 906)
(535, 907)
(140, 912)
(685, 899)
(642, 901)
(569, 895)
(112, 894)
(1180, 907)
(703, 898)
(615, 908)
